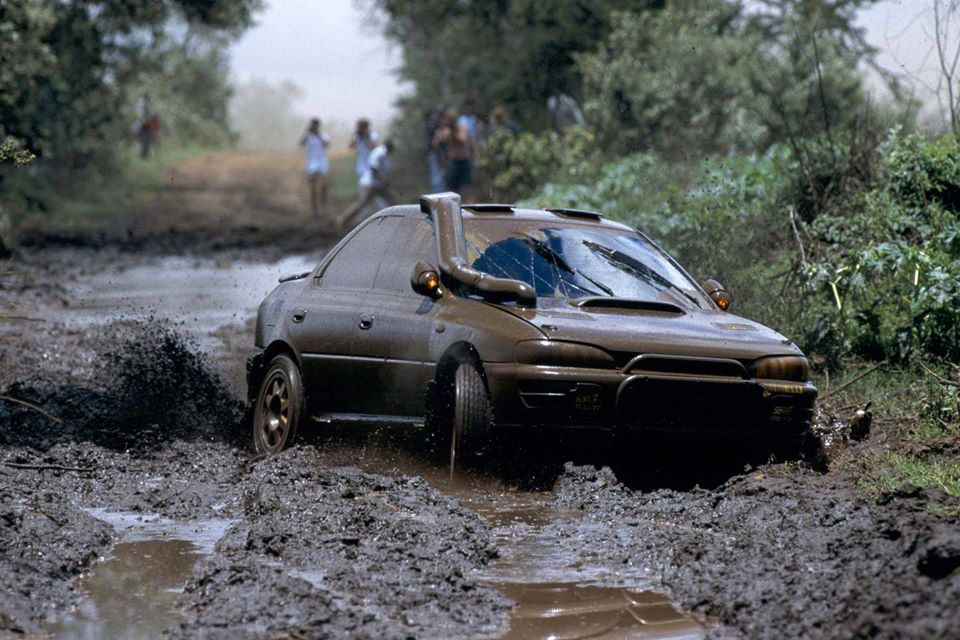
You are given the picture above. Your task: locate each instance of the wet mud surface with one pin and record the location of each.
(134, 472)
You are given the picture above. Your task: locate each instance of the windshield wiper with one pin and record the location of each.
(628, 263)
(552, 255)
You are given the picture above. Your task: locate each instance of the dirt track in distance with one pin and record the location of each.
(363, 535)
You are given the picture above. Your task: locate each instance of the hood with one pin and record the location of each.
(660, 329)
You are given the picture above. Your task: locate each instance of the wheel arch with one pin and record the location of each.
(458, 353)
(260, 364)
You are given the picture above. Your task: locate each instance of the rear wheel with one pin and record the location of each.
(279, 408)
(472, 416)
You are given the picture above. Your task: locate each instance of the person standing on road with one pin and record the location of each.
(455, 138)
(375, 183)
(315, 142)
(363, 142)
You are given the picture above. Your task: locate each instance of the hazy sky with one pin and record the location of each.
(344, 66)
(330, 50)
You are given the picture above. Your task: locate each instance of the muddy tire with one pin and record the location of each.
(472, 416)
(279, 408)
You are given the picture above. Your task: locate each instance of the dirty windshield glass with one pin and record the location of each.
(577, 261)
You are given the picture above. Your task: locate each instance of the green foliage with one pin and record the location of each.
(70, 71)
(189, 88)
(890, 258)
(876, 274)
(515, 53)
(672, 79)
(708, 76)
(520, 163)
(11, 150)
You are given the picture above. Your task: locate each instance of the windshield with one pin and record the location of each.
(576, 261)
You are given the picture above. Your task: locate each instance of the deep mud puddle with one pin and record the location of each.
(131, 593)
(558, 591)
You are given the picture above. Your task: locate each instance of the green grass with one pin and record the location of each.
(89, 201)
(908, 469)
(914, 417)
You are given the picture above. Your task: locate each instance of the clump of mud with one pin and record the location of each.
(784, 552)
(325, 552)
(146, 384)
(162, 388)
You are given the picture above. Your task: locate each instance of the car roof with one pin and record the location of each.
(514, 212)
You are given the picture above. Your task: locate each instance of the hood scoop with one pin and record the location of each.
(601, 302)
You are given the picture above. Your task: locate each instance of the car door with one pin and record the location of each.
(328, 323)
(405, 322)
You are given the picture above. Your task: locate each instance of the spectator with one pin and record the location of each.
(316, 143)
(564, 112)
(375, 183)
(455, 139)
(500, 122)
(363, 142)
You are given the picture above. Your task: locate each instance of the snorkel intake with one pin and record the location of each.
(444, 209)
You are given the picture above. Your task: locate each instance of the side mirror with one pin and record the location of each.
(718, 294)
(425, 280)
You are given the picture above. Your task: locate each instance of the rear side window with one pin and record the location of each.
(413, 241)
(355, 265)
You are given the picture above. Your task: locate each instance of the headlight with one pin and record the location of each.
(552, 353)
(782, 368)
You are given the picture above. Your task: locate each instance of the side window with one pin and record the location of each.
(355, 265)
(414, 240)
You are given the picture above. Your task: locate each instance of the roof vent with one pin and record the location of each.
(575, 213)
(489, 208)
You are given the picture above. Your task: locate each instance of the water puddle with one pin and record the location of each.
(560, 594)
(203, 294)
(560, 591)
(131, 593)
(568, 611)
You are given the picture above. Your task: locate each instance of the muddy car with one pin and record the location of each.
(483, 318)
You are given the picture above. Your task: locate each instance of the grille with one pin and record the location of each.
(684, 365)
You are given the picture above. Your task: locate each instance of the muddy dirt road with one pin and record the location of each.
(131, 506)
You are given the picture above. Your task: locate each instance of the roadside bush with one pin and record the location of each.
(519, 164)
(890, 258)
(874, 274)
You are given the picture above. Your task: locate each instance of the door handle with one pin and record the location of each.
(299, 315)
(366, 321)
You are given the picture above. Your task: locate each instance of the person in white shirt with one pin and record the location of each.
(363, 142)
(315, 143)
(374, 183)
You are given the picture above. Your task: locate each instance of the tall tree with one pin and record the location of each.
(702, 76)
(510, 52)
(65, 65)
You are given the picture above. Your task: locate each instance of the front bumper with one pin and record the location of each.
(533, 395)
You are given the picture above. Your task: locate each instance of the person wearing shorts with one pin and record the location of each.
(374, 183)
(318, 164)
(455, 138)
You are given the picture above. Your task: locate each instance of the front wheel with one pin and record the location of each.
(472, 416)
(280, 407)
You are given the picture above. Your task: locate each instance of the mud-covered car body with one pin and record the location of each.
(556, 346)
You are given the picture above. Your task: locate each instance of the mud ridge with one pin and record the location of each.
(784, 552)
(342, 553)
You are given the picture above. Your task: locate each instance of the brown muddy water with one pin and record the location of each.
(131, 592)
(559, 592)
